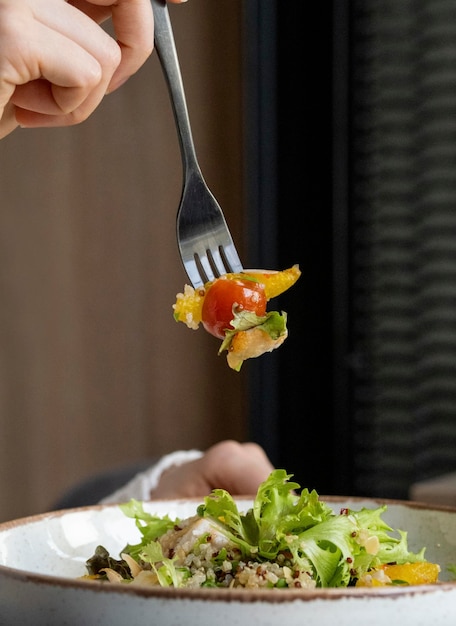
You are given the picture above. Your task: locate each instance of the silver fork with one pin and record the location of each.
(205, 243)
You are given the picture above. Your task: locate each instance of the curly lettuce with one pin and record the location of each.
(335, 548)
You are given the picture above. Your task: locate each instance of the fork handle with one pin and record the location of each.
(167, 53)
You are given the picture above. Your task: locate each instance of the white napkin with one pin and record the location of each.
(143, 483)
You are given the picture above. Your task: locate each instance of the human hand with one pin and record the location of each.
(57, 63)
(237, 467)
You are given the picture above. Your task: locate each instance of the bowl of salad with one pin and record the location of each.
(285, 555)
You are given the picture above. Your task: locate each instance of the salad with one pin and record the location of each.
(233, 309)
(285, 540)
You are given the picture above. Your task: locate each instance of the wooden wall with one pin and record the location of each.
(94, 372)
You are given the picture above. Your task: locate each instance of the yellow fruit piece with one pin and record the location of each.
(188, 306)
(421, 573)
(275, 282)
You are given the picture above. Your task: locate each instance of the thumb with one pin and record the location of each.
(8, 120)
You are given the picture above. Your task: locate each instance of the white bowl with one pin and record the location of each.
(41, 558)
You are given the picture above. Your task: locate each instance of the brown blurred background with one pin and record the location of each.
(95, 372)
(353, 179)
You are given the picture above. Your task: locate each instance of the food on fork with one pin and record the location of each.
(233, 308)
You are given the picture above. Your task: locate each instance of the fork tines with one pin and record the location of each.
(210, 257)
(216, 262)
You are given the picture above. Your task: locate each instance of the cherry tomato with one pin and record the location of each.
(222, 295)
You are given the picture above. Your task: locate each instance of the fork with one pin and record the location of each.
(206, 247)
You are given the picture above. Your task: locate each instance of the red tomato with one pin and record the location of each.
(222, 295)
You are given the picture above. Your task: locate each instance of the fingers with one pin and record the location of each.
(55, 62)
(71, 78)
(133, 26)
(237, 467)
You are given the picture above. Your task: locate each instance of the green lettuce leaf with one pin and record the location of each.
(164, 567)
(150, 526)
(336, 547)
(277, 512)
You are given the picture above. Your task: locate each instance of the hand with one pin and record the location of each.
(57, 63)
(237, 467)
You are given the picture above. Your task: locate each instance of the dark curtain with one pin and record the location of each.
(403, 210)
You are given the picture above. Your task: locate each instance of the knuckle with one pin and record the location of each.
(226, 451)
(111, 56)
(91, 78)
